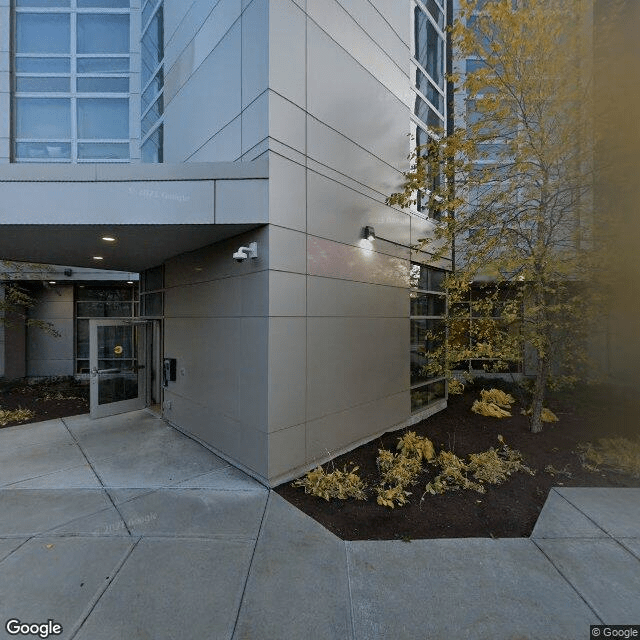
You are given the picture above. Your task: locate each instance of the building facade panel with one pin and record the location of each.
(217, 81)
(304, 352)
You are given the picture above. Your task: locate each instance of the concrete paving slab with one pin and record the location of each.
(51, 432)
(57, 578)
(617, 511)
(81, 477)
(112, 436)
(8, 545)
(160, 462)
(605, 574)
(227, 479)
(38, 460)
(28, 512)
(465, 588)
(298, 584)
(170, 589)
(632, 544)
(105, 523)
(82, 426)
(195, 512)
(560, 519)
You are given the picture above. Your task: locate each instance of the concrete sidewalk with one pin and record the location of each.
(123, 528)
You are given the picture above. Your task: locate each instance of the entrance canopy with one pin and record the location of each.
(125, 217)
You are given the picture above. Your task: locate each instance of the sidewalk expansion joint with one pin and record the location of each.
(566, 579)
(96, 475)
(94, 601)
(253, 555)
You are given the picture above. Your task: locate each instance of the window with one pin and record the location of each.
(71, 81)
(152, 99)
(428, 307)
(428, 76)
(99, 301)
(152, 292)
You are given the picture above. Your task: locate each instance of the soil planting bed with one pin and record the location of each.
(507, 510)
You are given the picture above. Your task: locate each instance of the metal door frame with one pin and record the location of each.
(123, 406)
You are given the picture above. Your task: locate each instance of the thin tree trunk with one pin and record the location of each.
(542, 374)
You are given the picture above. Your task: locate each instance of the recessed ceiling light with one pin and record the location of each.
(98, 258)
(52, 281)
(108, 239)
(129, 281)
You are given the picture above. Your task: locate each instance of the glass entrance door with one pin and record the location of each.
(118, 367)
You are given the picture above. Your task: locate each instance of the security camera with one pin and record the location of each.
(246, 252)
(240, 255)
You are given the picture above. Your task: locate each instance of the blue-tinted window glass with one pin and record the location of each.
(423, 85)
(152, 149)
(103, 33)
(427, 115)
(106, 118)
(43, 33)
(103, 150)
(429, 47)
(152, 90)
(103, 65)
(436, 12)
(38, 85)
(43, 3)
(148, 10)
(103, 85)
(47, 118)
(43, 151)
(42, 65)
(153, 44)
(103, 4)
(152, 115)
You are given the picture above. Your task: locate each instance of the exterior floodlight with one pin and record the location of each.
(369, 233)
(246, 252)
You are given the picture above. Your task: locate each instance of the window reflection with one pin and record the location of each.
(103, 118)
(103, 33)
(42, 33)
(99, 44)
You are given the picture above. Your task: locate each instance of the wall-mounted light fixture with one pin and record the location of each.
(369, 233)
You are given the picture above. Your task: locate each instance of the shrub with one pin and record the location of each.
(337, 484)
(8, 416)
(489, 409)
(502, 399)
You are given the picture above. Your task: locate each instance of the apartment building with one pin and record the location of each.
(237, 155)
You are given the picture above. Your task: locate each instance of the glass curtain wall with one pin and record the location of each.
(428, 70)
(71, 68)
(152, 79)
(428, 306)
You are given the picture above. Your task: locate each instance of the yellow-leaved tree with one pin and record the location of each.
(516, 193)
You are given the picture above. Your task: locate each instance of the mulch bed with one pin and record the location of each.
(19, 395)
(507, 510)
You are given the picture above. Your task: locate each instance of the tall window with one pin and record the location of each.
(71, 81)
(152, 79)
(428, 306)
(428, 66)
